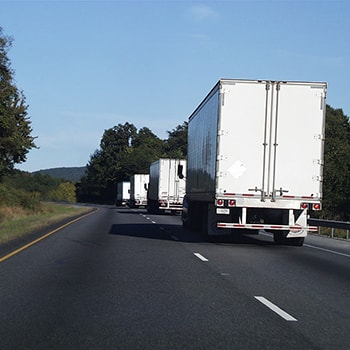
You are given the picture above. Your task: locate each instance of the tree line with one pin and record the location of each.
(124, 151)
(336, 172)
(25, 190)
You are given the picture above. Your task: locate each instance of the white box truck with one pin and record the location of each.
(255, 158)
(167, 185)
(123, 193)
(138, 190)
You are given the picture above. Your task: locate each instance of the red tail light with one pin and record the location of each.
(219, 202)
(316, 206)
(231, 203)
(304, 206)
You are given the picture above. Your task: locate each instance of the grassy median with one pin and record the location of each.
(16, 222)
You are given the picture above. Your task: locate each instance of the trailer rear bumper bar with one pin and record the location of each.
(170, 206)
(292, 228)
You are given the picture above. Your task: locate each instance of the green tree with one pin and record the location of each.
(116, 148)
(15, 126)
(336, 185)
(176, 144)
(146, 148)
(124, 151)
(32, 183)
(25, 190)
(64, 192)
(106, 166)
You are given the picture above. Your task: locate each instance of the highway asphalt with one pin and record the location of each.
(122, 279)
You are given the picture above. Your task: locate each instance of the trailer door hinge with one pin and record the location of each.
(221, 157)
(318, 137)
(220, 174)
(222, 132)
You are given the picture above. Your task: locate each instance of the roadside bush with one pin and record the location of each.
(14, 197)
(11, 213)
(65, 192)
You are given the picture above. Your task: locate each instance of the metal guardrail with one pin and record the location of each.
(341, 225)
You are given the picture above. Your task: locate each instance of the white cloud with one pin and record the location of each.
(203, 12)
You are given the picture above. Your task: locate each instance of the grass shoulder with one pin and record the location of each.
(16, 222)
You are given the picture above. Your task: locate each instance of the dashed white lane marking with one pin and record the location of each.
(199, 256)
(276, 309)
(148, 218)
(174, 238)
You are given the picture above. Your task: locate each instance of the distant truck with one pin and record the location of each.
(138, 190)
(167, 185)
(123, 193)
(255, 159)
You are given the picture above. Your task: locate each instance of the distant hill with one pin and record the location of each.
(72, 174)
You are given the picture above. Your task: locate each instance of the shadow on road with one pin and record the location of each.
(126, 210)
(178, 233)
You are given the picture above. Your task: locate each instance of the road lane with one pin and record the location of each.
(312, 285)
(123, 279)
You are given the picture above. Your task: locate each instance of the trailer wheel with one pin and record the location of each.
(277, 238)
(186, 214)
(152, 207)
(296, 242)
(281, 239)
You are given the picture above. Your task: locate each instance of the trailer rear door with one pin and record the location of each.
(270, 140)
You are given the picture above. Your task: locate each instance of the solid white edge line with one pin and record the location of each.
(199, 256)
(315, 247)
(327, 250)
(276, 309)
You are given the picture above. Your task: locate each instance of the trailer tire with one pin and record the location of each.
(277, 239)
(281, 239)
(296, 242)
(152, 207)
(186, 214)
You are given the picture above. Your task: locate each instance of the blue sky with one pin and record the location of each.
(86, 66)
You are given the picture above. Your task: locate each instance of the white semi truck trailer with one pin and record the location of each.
(255, 158)
(123, 193)
(138, 190)
(167, 185)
